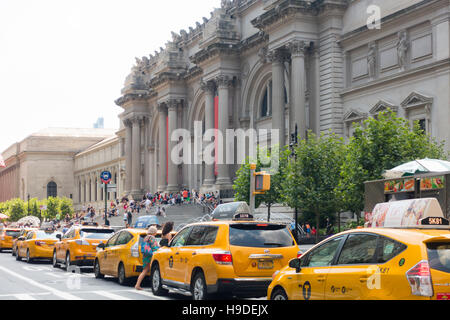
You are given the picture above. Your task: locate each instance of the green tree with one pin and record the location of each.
(16, 209)
(52, 208)
(66, 206)
(312, 176)
(241, 184)
(381, 144)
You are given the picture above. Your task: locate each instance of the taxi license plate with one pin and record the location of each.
(265, 265)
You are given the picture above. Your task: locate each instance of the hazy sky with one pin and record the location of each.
(64, 62)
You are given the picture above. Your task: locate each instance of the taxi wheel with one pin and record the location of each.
(97, 273)
(68, 262)
(123, 280)
(157, 288)
(29, 259)
(198, 287)
(54, 260)
(279, 294)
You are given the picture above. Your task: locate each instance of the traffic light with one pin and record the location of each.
(262, 182)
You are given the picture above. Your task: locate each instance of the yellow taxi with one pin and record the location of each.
(233, 258)
(7, 236)
(22, 235)
(120, 257)
(38, 244)
(403, 253)
(78, 246)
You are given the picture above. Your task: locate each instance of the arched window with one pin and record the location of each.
(266, 103)
(52, 189)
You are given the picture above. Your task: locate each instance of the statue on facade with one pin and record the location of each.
(371, 59)
(402, 49)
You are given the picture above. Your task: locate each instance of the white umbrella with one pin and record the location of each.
(418, 166)
(3, 216)
(34, 221)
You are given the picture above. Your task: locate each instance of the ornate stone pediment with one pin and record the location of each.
(382, 106)
(354, 116)
(416, 100)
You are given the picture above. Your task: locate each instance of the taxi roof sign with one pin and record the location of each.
(414, 213)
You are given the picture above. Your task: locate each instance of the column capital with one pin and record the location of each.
(207, 86)
(173, 104)
(162, 107)
(127, 123)
(224, 81)
(276, 56)
(297, 48)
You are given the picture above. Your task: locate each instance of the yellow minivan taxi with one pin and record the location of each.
(7, 236)
(403, 255)
(78, 246)
(222, 257)
(38, 244)
(120, 257)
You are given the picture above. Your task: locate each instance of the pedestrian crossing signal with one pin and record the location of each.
(262, 182)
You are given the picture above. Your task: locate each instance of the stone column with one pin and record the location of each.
(278, 99)
(224, 82)
(147, 121)
(128, 156)
(162, 179)
(297, 49)
(316, 107)
(209, 90)
(172, 185)
(136, 158)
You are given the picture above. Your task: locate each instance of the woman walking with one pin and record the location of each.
(148, 247)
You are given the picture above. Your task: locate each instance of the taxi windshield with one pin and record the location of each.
(96, 233)
(439, 256)
(43, 235)
(260, 236)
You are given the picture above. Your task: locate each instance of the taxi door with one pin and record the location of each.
(24, 244)
(105, 256)
(351, 277)
(309, 283)
(176, 265)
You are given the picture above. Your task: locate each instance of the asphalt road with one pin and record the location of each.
(40, 281)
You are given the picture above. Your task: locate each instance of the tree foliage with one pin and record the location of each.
(312, 175)
(378, 145)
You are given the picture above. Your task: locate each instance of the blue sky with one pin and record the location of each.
(63, 63)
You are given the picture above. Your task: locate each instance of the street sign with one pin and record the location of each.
(106, 176)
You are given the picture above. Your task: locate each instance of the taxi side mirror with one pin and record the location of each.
(295, 264)
(101, 246)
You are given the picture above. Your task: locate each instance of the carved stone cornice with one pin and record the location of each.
(214, 50)
(165, 77)
(144, 95)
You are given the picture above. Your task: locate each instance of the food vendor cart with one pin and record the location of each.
(428, 185)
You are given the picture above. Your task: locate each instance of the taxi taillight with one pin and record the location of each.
(419, 278)
(223, 258)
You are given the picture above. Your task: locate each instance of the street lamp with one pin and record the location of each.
(28, 204)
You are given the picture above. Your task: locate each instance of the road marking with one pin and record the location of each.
(24, 297)
(110, 295)
(146, 293)
(56, 292)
